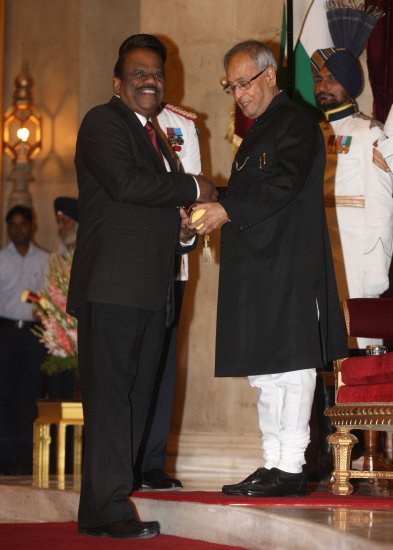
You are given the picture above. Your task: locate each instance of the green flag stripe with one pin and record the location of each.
(304, 84)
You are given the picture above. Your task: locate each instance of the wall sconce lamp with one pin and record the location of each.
(22, 138)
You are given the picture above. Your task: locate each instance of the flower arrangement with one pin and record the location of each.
(58, 330)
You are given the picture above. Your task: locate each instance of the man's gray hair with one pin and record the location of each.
(260, 54)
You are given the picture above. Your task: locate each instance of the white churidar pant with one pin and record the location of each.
(284, 410)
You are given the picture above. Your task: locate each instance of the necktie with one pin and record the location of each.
(151, 132)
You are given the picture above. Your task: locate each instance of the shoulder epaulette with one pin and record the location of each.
(373, 123)
(181, 112)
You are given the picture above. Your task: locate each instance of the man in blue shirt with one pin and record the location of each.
(22, 266)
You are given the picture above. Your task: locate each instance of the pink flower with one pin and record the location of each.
(59, 330)
(63, 340)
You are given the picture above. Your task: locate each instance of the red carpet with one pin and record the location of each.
(64, 536)
(318, 499)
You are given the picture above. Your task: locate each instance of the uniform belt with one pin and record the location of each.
(17, 323)
(342, 200)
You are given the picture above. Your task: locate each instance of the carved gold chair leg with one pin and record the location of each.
(78, 438)
(342, 442)
(42, 441)
(61, 451)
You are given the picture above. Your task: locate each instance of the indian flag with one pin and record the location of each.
(310, 33)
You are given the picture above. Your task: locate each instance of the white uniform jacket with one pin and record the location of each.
(359, 208)
(177, 128)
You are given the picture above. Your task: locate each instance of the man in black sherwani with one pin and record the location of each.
(278, 314)
(121, 278)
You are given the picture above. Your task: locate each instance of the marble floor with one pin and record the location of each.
(21, 500)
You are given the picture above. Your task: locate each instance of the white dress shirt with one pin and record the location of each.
(18, 273)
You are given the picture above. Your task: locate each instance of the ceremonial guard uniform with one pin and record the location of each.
(359, 205)
(177, 127)
(358, 194)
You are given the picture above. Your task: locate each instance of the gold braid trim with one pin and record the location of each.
(181, 112)
(341, 200)
(379, 416)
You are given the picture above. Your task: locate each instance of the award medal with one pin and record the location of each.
(175, 138)
(338, 144)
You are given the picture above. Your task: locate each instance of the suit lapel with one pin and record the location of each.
(166, 152)
(142, 136)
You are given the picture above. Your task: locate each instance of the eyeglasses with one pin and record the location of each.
(242, 85)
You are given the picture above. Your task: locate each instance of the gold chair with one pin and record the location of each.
(61, 414)
(364, 395)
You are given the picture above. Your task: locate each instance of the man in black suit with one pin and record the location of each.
(278, 316)
(121, 279)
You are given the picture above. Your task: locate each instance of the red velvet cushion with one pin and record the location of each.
(373, 369)
(369, 317)
(373, 393)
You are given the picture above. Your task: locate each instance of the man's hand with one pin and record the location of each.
(186, 233)
(208, 193)
(215, 217)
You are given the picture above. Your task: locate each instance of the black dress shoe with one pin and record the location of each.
(278, 483)
(158, 479)
(127, 529)
(236, 489)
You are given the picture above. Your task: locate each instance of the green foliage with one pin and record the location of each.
(54, 364)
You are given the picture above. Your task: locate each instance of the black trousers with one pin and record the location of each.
(153, 449)
(119, 351)
(21, 384)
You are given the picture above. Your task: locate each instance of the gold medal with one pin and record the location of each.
(196, 214)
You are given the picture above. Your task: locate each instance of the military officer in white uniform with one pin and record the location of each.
(177, 128)
(358, 194)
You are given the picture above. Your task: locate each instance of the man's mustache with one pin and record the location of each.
(324, 95)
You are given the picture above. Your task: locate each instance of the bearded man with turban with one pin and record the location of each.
(66, 212)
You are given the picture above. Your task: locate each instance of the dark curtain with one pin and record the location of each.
(380, 60)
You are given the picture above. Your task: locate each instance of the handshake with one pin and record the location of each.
(207, 190)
